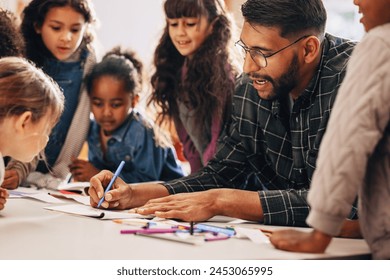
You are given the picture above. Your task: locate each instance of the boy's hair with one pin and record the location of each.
(123, 65)
(23, 87)
(34, 15)
(11, 43)
(293, 17)
(209, 81)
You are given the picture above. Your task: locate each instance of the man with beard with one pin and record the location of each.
(267, 153)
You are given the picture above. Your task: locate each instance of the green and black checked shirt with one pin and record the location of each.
(266, 148)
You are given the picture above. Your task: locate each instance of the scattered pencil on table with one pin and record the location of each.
(204, 232)
(148, 230)
(217, 237)
(192, 240)
(134, 222)
(215, 229)
(267, 232)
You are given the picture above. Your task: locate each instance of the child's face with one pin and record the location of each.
(375, 12)
(31, 139)
(62, 31)
(188, 34)
(110, 103)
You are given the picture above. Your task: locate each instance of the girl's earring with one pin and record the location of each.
(37, 29)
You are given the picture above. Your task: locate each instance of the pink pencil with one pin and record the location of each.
(148, 230)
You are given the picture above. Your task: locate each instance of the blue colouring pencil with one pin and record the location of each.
(215, 229)
(117, 172)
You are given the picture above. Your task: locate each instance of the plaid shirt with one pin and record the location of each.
(266, 148)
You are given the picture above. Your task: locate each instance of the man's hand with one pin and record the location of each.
(198, 206)
(201, 206)
(119, 197)
(122, 195)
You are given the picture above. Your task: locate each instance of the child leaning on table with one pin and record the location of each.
(59, 38)
(30, 105)
(11, 44)
(354, 158)
(118, 132)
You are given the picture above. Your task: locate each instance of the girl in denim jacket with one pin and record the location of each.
(58, 38)
(118, 132)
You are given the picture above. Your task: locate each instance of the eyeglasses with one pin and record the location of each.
(257, 56)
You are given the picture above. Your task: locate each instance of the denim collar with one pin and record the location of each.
(120, 132)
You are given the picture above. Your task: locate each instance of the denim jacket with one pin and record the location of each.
(134, 143)
(69, 77)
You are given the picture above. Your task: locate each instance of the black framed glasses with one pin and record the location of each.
(257, 56)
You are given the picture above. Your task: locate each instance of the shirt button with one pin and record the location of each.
(127, 158)
(296, 119)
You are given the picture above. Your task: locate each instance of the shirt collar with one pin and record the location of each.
(121, 131)
(310, 90)
(313, 85)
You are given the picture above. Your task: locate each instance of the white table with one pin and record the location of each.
(27, 231)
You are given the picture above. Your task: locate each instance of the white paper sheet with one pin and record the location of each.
(255, 235)
(88, 211)
(39, 195)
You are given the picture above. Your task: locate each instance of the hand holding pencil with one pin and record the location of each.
(103, 185)
(116, 174)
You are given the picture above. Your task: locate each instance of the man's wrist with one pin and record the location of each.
(218, 204)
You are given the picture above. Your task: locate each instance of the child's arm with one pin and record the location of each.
(22, 169)
(299, 241)
(3, 197)
(11, 179)
(315, 241)
(82, 170)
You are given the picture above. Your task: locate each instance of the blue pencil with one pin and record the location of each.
(117, 172)
(215, 229)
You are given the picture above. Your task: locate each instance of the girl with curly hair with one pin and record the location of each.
(194, 75)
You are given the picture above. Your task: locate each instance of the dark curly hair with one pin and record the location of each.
(209, 82)
(11, 43)
(122, 64)
(34, 16)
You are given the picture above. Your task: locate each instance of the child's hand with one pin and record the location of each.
(11, 179)
(299, 241)
(3, 197)
(82, 170)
